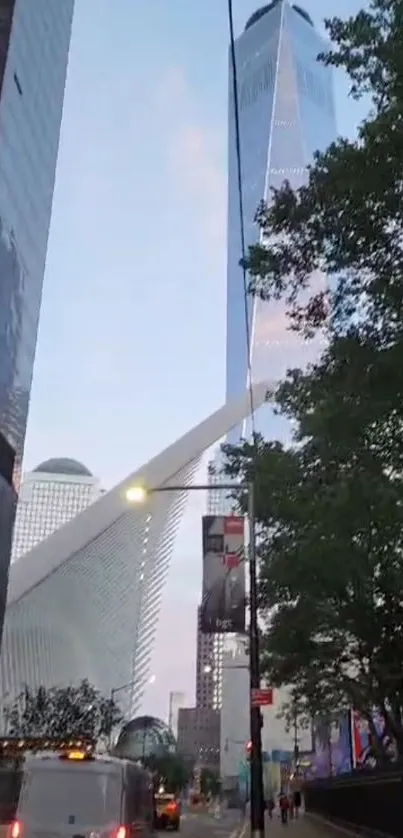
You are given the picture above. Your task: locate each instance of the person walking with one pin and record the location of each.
(271, 806)
(284, 802)
(291, 808)
(296, 793)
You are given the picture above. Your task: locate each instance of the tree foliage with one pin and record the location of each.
(210, 782)
(63, 712)
(170, 771)
(330, 507)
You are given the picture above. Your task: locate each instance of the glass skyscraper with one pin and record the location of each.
(286, 111)
(50, 495)
(34, 48)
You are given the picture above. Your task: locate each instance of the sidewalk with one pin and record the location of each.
(304, 827)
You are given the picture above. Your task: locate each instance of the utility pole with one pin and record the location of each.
(296, 737)
(256, 763)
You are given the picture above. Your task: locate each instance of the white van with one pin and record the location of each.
(76, 795)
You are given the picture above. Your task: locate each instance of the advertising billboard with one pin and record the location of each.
(365, 750)
(223, 598)
(332, 754)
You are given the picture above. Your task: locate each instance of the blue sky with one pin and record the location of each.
(131, 348)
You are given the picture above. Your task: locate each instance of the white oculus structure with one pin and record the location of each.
(85, 602)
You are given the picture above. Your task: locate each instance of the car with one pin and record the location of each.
(168, 811)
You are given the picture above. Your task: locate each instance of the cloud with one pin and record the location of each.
(195, 154)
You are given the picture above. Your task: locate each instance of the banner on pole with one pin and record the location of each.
(223, 599)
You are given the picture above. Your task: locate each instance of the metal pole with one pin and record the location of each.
(256, 762)
(143, 754)
(112, 698)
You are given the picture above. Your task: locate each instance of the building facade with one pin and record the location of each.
(176, 701)
(235, 718)
(84, 603)
(286, 113)
(199, 726)
(50, 496)
(208, 667)
(199, 736)
(34, 48)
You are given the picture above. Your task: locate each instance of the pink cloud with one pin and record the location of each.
(194, 152)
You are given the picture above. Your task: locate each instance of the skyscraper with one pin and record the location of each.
(176, 701)
(52, 494)
(286, 113)
(34, 47)
(208, 667)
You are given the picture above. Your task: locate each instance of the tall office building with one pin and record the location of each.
(286, 113)
(52, 494)
(208, 667)
(34, 48)
(199, 726)
(176, 701)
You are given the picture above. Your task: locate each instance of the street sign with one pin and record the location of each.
(262, 697)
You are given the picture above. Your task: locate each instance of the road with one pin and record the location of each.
(203, 825)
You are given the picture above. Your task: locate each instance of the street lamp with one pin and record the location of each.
(140, 494)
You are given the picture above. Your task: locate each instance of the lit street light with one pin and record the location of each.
(136, 494)
(139, 495)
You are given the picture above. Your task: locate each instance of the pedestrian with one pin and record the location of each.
(291, 809)
(297, 801)
(284, 802)
(271, 806)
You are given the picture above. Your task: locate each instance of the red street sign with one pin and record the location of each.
(234, 525)
(262, 697)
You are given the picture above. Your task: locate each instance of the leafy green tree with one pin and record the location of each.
(63, 712)
(210, 782)
(330, 508)
(170, 771)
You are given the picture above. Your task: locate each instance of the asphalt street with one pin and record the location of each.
(204, 825)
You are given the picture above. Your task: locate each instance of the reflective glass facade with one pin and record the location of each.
(34, 47)
(286, 113)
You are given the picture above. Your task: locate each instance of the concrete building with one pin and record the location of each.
(235, 718)
(199, 735)
(208, 667)
(85, 602)
(34, 49)
(50, 496)
(199, 727)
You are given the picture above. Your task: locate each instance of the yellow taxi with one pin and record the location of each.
(168, 811)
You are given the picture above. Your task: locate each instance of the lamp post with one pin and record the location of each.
(139, 495)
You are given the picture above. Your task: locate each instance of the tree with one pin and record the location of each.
(170, 771)
(63, 712)
(330, 507)
(210, 782)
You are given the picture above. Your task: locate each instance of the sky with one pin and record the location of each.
(131, 349)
